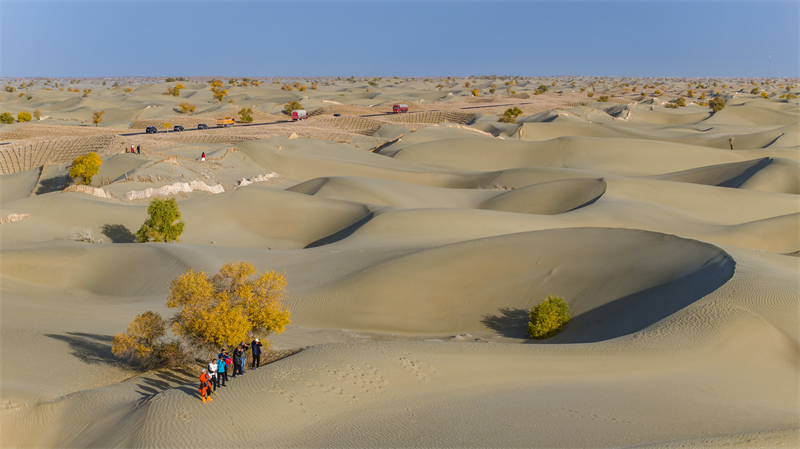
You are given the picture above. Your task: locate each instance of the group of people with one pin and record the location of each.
(215, 375)
(138, 150)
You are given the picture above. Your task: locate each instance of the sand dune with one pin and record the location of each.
(414, 246)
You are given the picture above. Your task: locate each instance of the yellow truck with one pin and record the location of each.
(224, 122)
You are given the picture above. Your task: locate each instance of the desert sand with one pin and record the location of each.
(414, 246)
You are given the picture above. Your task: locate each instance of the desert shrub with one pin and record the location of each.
(716, 104)
(657, 92)
(467, 84)
(10, 88)
(231, 101)
(232, 82)
(215, 83)
(21, 95)
(491, 91)
(180, 86)
(680, 102)
(85, 167)
(547, 319)
(6, 118)
(590, 94)
(246, 115)
(236, 304)
(507, 119)
(302, 88)
(30, 98)
(671, 106)
(755, 91)
(97, 117)
(552, 84)
(764, 94)
(174, 91)
(286, 87)
(144, 343)
(104, 83)
(541, 89)
(474, 92)
(163, 222)
(219, 93)
(603, 98)
(791, 97)
(186, 107)
(702, 95)
(169, 80)
(61, 89)
(38, 114)
(292, 106)
(314, 86)
(84, 235)
(24, 116)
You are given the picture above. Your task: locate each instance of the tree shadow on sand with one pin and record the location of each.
(118, 233)
(511, 323)
(91, 349)
(53, 184)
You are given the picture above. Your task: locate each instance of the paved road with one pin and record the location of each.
(487, 105)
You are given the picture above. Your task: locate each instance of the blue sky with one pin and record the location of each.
(383, 38)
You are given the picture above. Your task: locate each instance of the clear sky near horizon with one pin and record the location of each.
(404, 38)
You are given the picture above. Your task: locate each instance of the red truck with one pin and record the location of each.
(398, 108)
(299, 114)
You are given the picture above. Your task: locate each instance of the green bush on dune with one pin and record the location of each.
(24, 116)
(6, 118)
(510, 116)
(292, 106)
(547, 319)
(163, 222)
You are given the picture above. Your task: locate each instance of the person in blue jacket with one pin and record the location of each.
(222, 370)
(255, 347)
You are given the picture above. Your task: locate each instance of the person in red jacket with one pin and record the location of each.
(204, 386)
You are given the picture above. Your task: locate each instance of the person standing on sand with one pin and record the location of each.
(256, 354)
(213, 375)
(138, 149)
(245, 347)
(131, 148)
(204, 386)
(222, 370)
(237, 360)
(203, 157)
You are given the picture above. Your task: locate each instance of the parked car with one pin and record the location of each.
(151, 130)
(202, 126)
(398, 108)
(299, 114)
(337, 115)
(177, 128)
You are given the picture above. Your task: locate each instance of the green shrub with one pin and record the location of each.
(671, 106)
(590, 94)
(716, 104)
(547, 319)
(246, 115)
(755, 91)
(764, 94)
(85, 167)
(10, 88)
(603, 98)
(6, 118)
(690, 94)
(680, 102)
(24, 116)
(507, 119)
(541, 89)
(163, 222)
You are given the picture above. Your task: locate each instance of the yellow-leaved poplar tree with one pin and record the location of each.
(236, 304)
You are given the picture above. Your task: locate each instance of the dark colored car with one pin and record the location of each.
(151, 130)
(337, 115)
(177, 128)
(202, 126)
